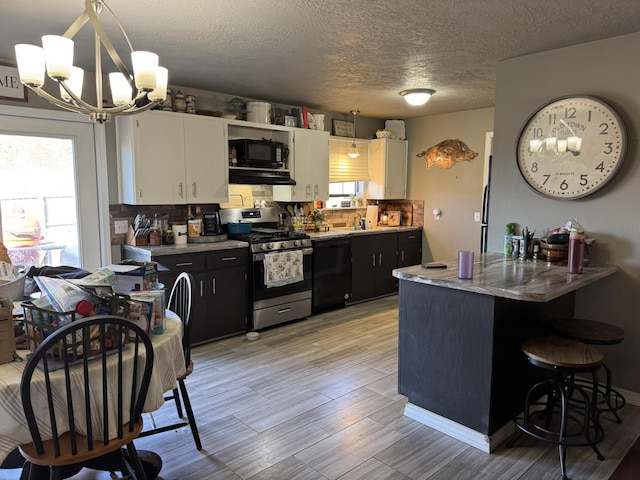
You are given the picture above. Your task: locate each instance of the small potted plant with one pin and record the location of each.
(317, 217)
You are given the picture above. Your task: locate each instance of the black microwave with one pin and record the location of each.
(258, 153)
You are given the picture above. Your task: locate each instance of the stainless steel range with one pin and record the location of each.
(280, 274)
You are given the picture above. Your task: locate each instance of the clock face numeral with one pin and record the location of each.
(571, 147)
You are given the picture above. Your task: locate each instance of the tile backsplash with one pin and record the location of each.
(412, 211)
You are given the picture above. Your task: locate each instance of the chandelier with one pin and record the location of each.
(149, 80)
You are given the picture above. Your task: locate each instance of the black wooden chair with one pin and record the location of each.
(180, 303)
(86, 420)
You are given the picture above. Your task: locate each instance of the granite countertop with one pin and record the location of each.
(228, 244)
(346, 231)
(500, 276)
(186, 248)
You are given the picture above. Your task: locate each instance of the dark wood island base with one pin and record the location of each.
(459, 359)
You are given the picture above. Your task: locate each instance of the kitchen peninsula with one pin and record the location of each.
(459, 358)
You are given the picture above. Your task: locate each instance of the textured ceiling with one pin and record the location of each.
(330, 54)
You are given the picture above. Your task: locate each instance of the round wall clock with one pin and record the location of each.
(571, 147)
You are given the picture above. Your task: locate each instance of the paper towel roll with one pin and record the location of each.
(372, 216)
(180, 234)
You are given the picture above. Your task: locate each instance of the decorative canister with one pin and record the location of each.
(167, 104)
(191, 103)
(259, 112)
(179, 102)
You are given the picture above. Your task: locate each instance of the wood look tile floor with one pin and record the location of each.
(317, 400)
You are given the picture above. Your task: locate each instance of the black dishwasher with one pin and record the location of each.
(331, 273)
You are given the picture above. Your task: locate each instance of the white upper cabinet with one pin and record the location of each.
(206, 161)
(387, 169)
(172, 158)
(310, 168)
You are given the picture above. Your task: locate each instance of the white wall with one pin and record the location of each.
(607, 69)
(457, 192)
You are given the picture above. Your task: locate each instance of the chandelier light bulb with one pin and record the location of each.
(74, 84)
(145, 65)
(30, 60)
(120, 89)
(160, 92)
(58, 55)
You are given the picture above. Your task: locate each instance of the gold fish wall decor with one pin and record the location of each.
(447, 153)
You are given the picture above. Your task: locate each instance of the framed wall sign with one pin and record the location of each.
(10, 86)
(342, 128)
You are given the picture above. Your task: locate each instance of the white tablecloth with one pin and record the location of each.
(168, 365)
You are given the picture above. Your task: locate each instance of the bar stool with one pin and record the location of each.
(595, 333)
(557, 410)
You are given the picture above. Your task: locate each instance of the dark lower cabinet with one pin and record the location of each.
(223, 296)
(219, 298)
(409, 248)
(373, 259)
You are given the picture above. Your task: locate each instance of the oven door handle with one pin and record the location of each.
(258, 257)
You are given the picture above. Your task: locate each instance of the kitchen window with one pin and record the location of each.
(344, 194)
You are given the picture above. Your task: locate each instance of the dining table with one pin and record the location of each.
(168, 365)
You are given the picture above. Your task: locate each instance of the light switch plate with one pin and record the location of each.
(476, 216)
(120, 226)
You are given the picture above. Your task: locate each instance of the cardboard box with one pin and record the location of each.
(158, 320)
(129, 283)
(7, 336)
(134, 276)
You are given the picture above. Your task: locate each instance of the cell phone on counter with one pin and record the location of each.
(433, 265)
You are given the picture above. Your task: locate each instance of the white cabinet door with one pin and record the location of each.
(387, 169)
(151, 149)
(206, 164)
(171, 158)
(310, 168)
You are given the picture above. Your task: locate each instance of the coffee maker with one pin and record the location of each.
(211, 224)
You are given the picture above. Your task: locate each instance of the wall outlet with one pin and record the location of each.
(476, 216)
(120, 226)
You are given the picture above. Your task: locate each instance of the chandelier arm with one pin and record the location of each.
(134, 110)
(102, 35)
(84, 107)
(59, 103)
(115, 19)
(77, 101)
(75, 27)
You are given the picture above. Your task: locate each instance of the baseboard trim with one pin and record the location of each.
(479, 440)
(467, 435)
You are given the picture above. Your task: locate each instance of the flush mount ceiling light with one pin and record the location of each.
(353, 150)
(56, 57)
(417, 96)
